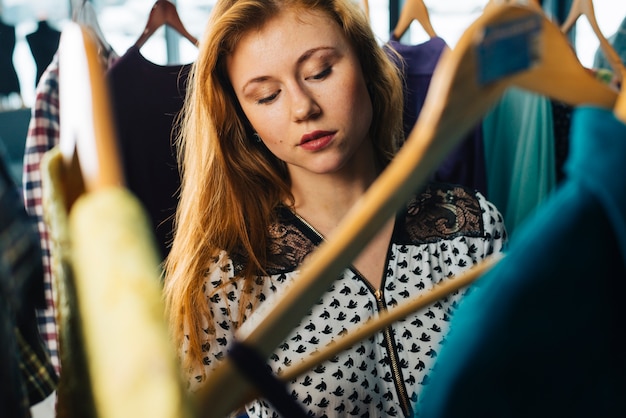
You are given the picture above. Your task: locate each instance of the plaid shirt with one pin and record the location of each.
(43, 135)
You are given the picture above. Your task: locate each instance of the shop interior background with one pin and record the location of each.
(122, 22)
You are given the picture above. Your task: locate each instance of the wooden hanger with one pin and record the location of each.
(87, 135)
(413, 10)
(585, 8)
(390, 316)
(86, 16)
(385, 319)
(467, 83)
(163, 13)
(528, 3)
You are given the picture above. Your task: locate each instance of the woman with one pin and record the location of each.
(292, 112)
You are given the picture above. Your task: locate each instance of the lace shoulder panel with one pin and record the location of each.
(290, 241)
(443, 211)
(288, 247)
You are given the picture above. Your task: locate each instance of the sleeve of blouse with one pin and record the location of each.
(222, 293)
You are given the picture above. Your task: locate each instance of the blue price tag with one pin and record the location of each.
(508, 48)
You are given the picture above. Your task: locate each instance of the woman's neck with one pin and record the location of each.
(324, 199)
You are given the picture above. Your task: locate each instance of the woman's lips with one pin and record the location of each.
(317, 140)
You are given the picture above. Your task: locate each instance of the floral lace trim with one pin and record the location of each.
(444, 212)
(289, 247)
(440, 212)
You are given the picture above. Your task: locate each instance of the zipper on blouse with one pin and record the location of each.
(308, 225)
(403, 396)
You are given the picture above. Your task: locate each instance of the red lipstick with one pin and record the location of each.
(316, 140)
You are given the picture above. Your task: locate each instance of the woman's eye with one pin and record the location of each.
(323, 74)
(268, 99)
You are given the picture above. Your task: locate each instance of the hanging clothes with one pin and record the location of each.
(132, 364)
(106, 239)
(73, 392)
(465, 165)
(542, 333)
(519, 154)
(419, 62)
(28, 376)
(146, 99)
(43, 134)
(9, 82)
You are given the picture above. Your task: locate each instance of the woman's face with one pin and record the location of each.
(300, 84)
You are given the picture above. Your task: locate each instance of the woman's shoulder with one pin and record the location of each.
(446, 211)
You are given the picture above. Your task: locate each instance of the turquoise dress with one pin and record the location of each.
(518, 136)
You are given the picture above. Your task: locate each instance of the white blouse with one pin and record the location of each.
(444, 230)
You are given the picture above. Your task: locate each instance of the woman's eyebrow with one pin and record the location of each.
(254, 80)
(307, 54)
(303, 58)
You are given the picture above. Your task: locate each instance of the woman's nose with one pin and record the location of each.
(304, 104)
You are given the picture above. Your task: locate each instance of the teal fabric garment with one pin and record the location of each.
(542, 334)
(518, 135)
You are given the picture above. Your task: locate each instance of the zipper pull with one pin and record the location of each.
(378, 294)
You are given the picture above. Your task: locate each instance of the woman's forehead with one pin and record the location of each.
(292, 28)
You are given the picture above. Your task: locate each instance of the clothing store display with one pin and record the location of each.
(9, 82)
(461, 228)
(43, 43)
(27, 374)
(465, 165)
(104, 246)
(146, 99)
(519, 154)
(43, 134)
(542, 333)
